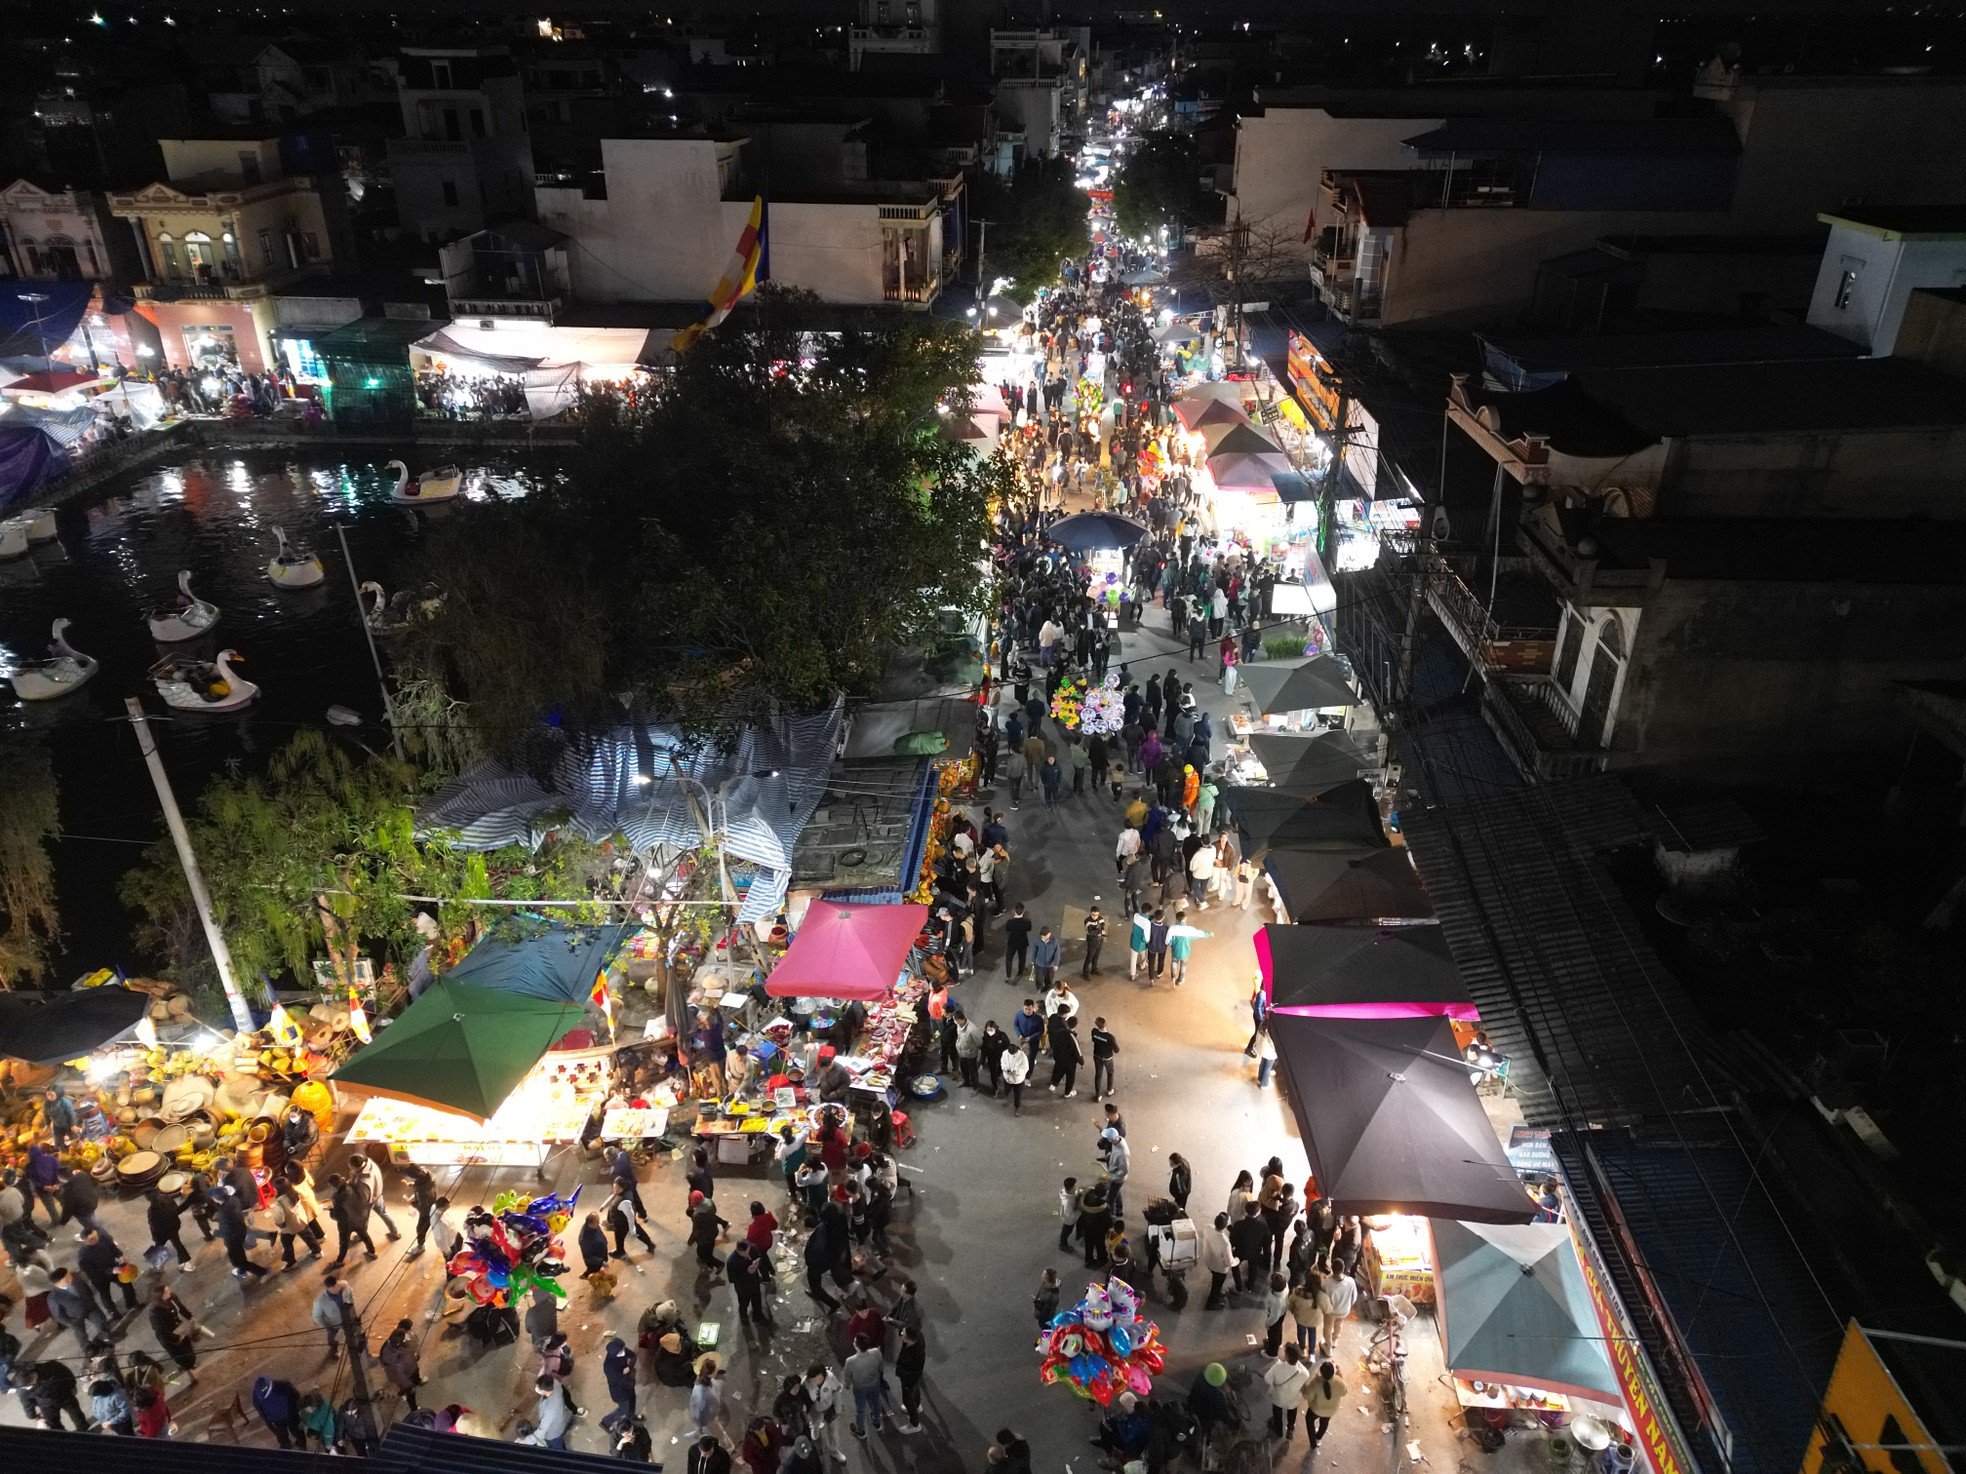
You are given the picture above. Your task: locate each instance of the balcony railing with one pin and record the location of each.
(542, 308)
(1490, 643)
(1537, 727)
(1345, 298)
(912, 293)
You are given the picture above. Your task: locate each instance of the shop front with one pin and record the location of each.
(212, 335)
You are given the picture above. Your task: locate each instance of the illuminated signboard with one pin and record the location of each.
(1315, 381)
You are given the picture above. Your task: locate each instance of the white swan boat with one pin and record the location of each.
(202, 685)
(13, 539)
(66, 669)
(440, 485)
(188, 619)
(293, 568)
(40, 525)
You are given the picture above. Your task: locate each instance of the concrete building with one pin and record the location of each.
(52, 234)
(218, 237)
(1875, 259)
(1042, 84)
(465, 159)
(894, 28)
(252, 80)
(658, 223)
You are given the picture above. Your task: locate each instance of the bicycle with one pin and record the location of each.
(1386, 1354)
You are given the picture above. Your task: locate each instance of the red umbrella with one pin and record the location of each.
(847, 950)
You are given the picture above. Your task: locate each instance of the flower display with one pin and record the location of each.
(1102, 710)
(1101, 1347)
(1065, 703)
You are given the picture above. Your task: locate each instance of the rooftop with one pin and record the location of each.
(1775, 342)
(1779, 398)
(1902, 222)
(1789, 550)
(1578, 135)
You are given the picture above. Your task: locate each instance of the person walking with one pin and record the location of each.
(363, 1169)
(1044, 958)
(992, 1050)
(1181, 945)
(1323, 1397)
(1180, 1180)
(1016, 1070)
(47, 1390)
(176, 1330)
(1066, 1055)
(164, 1216)
(74, 1307)
(706, 1398)
(1302, 1303)
(823, 1391)
(334, 1311)
(910, 1366)
(1157, 942)
(865, 1373)
(1286, 1381)
(969, 1049)
(1016, 768)
(1137, 938)
(746, 1269)
(1266, 1058)
(397, 1354)
(1016, 943)
(278, 1406)
(1069, 1211)
(1105, 1054)
(1218, 1257)
(294, 1219)
(101, 1264)
(620, 1367)
(1095, 940)
(423, 1197)
(618, 1217)
(349, 1205)
(1336, 1297)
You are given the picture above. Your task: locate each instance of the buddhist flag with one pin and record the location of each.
(358, 1019)
(601, 1000)
(281, 1026)
(749, 265)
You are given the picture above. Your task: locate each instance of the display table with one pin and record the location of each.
(548, 1108)
(1553, 1408)
(631, 1123)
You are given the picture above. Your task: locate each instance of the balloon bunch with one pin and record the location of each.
(1101, 1347)
(1102, 709)
(514, 1247)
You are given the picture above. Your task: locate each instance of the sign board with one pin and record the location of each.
(1529, 1150)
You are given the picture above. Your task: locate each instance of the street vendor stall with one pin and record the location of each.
(548, 1108)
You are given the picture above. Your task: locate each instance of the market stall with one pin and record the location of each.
(1301, 763)
(1366, 884)
(1342, 817)
(549, 1108)
(1518, 1329)
(1363, 972)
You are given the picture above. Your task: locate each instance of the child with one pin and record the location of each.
(1068, 1213)
(1045, 1302)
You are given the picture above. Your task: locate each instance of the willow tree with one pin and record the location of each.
(29, 921)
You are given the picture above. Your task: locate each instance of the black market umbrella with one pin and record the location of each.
(1364, 885)
(1342, 817)
(1391, 1121)
(46, 1029)
(1307, 685)
(1363, 971)
(1308, 763)
(1246, 440)
(1091, 532)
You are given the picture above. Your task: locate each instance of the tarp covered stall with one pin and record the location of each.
(1313, 593)
(1324, 971)
(846, 950)
(553, 359)
(368, 367)
(1089, 532)
(29, 458)
(1367, 885)
(38, 317)
(46, 1029)
(140, 403)
(1342, 817)
(1514, 1308)
(541, 959)
(460, 1047)
(1391, 1122)
(1317, 684)
(1308, 763)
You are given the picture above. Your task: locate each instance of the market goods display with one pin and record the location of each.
(1102, 710)
(1066, 701)
(1101, 1347)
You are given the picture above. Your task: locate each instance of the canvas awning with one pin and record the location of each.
(460, 1047)
(1342, 817)
(535, 958)
(1308, 764)
(1325, 971)
(1363, 885)
(1316, 684)
(1514, 1308)
(1391, 1122)
(45, 1029)
(846, 950)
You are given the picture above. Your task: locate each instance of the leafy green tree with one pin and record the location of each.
(318, 859)
(1037, 219)
(762, 531)
(1160, 184)
(29, 921)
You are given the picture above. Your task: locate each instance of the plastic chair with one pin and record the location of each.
(904, 1129)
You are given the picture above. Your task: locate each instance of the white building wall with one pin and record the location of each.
(1281, 154)
(1882, 275)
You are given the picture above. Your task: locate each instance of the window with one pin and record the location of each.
(1573, 646)
(249, 166)
(266, 249)
(440, 74)
(1846, 284)
(450, 193)
(453, 127)
(477, 122)
(310, 245)
(170, 256)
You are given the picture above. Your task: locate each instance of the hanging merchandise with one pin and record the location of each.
(1101, 1347)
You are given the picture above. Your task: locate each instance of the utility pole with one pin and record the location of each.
(357, 1340)
(375, 657)
(982, 245)
(194, 878)
(1327, 499)
(1238, 250)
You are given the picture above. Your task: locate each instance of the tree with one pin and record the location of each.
(29, 817)
(320, 857)
(761, 532)
(1160, 184)
(1037, 220)
(1240, 258)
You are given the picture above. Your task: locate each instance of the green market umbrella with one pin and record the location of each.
(460, 1047)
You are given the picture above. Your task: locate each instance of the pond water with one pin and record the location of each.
(118, 554)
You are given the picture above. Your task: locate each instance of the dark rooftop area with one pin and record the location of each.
(1778, 398)
(1775, 342)
(1578, 135)
(1901, 220)
(1788, 550)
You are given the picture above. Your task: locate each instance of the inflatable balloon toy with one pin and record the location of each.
(1102, 1347)
(514, 1248)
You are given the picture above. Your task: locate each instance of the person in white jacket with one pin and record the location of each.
(822, 1393)
(1335, 1299)
(1016, 1070)
(1218, 1257)
(1286, 1380)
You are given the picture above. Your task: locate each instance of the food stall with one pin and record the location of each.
(1398, 1257)
(547, 1109)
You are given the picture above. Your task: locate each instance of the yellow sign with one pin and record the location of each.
(1865, 1406)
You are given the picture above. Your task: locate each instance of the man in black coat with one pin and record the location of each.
(98, 1261)
(708, 1456)
(47, 1390)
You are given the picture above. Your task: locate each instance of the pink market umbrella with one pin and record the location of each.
(847, 950)
(1192, 407)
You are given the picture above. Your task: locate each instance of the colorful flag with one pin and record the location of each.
(358, 1020)
(749, 265)
(602, 1000)
(281, 1026)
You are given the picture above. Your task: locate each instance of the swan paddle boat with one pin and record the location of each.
(40, 525)
(293, 568)
(202, 685)
(188, 619)
(13, 539)
(66, 669)
(440, 485)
